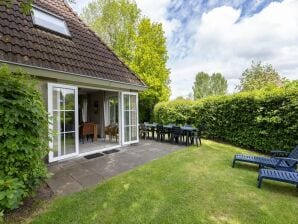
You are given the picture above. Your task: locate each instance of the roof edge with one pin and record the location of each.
(141, 87)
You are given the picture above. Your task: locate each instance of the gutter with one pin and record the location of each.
(143, 87)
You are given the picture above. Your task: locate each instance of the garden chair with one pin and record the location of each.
(284, 162)
(278, 175)
(176, 135)
(195, 137)
(113, 132)
(160, 133)
(86, 131)
(144, 132)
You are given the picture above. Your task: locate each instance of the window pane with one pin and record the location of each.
(58, 121)
(70, 143)
(56, 143)
(69, 121)
(56, 99)
(69, 98)
(49, 21)
(133, 133)
(126, 118)
(126, 134)
(126, 102)
(133, 102)
(133, 117)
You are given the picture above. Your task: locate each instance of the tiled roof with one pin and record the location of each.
(83, 53)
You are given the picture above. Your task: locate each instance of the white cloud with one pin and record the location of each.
(224, 45)
(156, 11)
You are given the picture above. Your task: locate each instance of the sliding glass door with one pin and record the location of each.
(63, 108)
(130, 118)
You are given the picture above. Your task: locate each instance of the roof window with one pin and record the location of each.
(49, 21)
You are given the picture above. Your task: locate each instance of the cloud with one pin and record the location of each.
(224, 36)
(157, 12)
(223, 43)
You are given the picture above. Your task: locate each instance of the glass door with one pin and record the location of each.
(63, 108)
(130, 122)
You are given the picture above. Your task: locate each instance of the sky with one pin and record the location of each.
(223, 36)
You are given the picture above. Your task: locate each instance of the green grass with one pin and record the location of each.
(193, 185)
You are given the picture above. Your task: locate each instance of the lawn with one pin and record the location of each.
(193, 185)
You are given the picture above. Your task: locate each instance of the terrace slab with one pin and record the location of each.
(74, 175)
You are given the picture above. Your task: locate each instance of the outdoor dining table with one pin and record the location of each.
(187, 130)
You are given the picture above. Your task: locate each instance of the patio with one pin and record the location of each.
(74, 175)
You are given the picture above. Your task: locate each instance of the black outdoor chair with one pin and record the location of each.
(176, 135)
(195, 136)
(160, 133)
(144, 132)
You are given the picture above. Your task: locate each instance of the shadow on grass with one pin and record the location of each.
(245, 166)
(279, 188)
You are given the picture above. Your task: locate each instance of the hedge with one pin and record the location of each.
(260, 120)
(23, 138)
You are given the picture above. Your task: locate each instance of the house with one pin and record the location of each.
(81, 79)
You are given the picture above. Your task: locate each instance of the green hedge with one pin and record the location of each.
(23, 138)
(261, 120)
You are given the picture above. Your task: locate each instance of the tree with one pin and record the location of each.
(259, 76)
(206, 85)
(149, 62)
(115, 22)
(140, 43)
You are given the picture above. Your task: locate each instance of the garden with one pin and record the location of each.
(192, 185)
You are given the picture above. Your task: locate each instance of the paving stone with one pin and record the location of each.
(74, 175)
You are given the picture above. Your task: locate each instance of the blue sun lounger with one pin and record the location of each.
(271, 162)
(277, 175)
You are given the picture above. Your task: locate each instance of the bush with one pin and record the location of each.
(261, 120)
(23, 136)
(12, 191)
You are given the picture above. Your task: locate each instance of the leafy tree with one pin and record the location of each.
(149, 62)
(206, 85)
(115, 22)
(140, 43)
(291, 84)
(258, 77)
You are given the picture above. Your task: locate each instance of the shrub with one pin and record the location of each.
(261, 120)
(12, 191)
(23, 135)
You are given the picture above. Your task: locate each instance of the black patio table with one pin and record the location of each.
(187, 130)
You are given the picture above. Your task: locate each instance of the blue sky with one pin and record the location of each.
(224, 36)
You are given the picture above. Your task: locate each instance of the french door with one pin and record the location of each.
(63, 110)
(130, 130)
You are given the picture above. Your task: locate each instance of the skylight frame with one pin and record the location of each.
(35, 23)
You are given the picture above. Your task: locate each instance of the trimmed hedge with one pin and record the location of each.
(23, 138)
(261, 120)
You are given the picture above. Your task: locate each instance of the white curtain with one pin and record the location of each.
(84, 109)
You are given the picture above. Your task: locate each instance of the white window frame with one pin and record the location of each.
(123, 114)
(51, 86)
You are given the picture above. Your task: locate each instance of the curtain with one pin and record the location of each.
(84, 109)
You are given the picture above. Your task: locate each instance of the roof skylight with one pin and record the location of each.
(47, 20)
